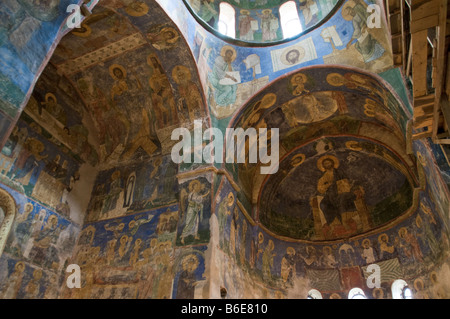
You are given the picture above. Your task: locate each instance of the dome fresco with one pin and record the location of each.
(90, 167)
(261, 21)
(334, 188)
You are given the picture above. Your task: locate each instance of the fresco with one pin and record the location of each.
(115, 63)
(259, 21)
(195, 206)
(250, 69)
(30, 162)
(341, 193)
(36, 253)
(283, 267)
(133, 187)
(134, 257)
(27, 31)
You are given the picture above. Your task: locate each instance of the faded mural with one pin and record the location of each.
(100, 119)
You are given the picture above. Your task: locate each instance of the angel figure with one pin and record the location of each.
(194, 211)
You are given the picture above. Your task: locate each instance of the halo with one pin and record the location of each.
(299, 75)
(191, 184)
(51, 218)
(301, 55)
(37, 274)
(419, 221)
(189, 258)
(174, 31)
(353, 145)
(225, 49)
(117, 66)
(402, 229)
(349, 4)
(298, 160)
(381, 236)
(132, 12)
(267, 10)
(50, 95)
(230, 195)
(329, 157)
(260, 238)
(244, 11)
(27, 206)
(182, 68)
(19, 263)
(335, 79)
(268, 100)
(416, 282)
(365, 241)
(290, 250)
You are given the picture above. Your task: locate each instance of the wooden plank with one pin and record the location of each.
(423, 110)
(424, 9)
(440, 56)
(424, 23)
(423, 121)
(445, 107)
(402, 18)
(419, 62)
(419, 136)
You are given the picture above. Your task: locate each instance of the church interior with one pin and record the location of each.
(92, 91)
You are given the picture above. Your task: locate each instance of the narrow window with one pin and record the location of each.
(227, 20)
(400, 290)
(290, 21)
(314, 294)
(356, 293)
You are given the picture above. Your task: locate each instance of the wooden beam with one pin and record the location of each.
(419, 62)
(440, 56)
(402, 19)
(445, 107)
(424, 23)
(423, 9)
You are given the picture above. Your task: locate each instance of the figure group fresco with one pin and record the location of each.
(135, 257)
(29, 161)
(333, 267)
(341, 193)
(133, 187)
(229, 81)
(37, 250)
(27, 32)
(89, 167)
(259, 21)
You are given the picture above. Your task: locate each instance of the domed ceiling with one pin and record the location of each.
(260, 21)
(123, 82)
(335, 187)
(343, 168)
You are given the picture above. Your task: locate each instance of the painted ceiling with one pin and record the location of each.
(337, 113)
(123, 80)
(259, 21)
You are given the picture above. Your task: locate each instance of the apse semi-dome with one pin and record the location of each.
(261, 21)
(343, 166)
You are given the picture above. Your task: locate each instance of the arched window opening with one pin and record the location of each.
(290, 21)
(356, 293)
(8, 208)
(401, 290)
(227, 20)
(314, 294)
